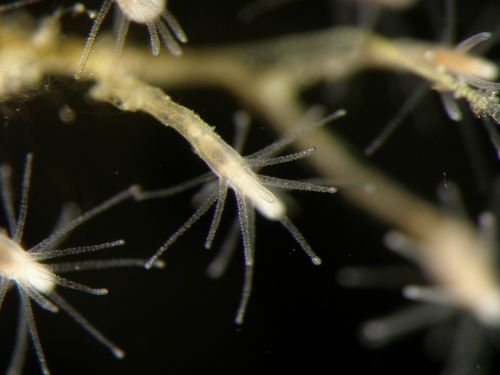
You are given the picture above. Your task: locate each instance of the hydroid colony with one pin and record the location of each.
(180, 321)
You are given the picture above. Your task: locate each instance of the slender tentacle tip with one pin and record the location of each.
(153, 13)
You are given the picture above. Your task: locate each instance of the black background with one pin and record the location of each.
(177, 320)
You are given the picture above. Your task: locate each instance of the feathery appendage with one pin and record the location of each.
(37, 281)
(266, 202)
(231, 170)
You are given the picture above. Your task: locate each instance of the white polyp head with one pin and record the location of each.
(488, 309)
(142, 11)
(270, 210)
(17, 265)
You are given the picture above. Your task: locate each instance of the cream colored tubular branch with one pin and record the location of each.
(131, 95)
(301, 60)
(305, 58)
(308, 58)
